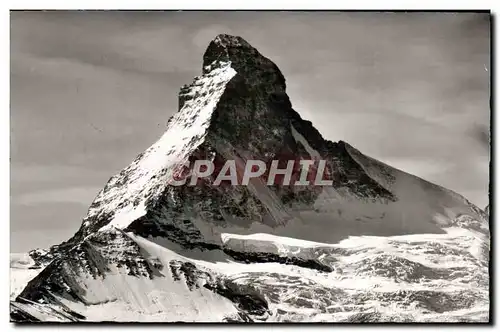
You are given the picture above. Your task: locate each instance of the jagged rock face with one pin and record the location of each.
(146, 244)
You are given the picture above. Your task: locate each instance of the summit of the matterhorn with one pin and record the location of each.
(376, 245)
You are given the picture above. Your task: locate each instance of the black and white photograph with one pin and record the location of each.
(230, 166)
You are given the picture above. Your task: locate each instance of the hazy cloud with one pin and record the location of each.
(77, 195)
(482, 134)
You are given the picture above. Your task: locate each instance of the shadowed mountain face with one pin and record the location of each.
(142, 234)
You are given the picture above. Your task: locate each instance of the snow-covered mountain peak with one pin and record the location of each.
(222, 47)
(149, 251)
(246, 60)
(238, 109)
(239, 99)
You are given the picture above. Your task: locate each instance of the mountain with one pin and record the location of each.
(378, 244)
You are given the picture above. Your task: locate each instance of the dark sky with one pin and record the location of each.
(91, 90)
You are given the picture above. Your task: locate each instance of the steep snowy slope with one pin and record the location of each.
(378, 244)
(22, 270)
(417, 196)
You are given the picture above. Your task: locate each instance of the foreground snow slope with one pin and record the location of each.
(377, 245)
(417, 278)
(22, 270)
